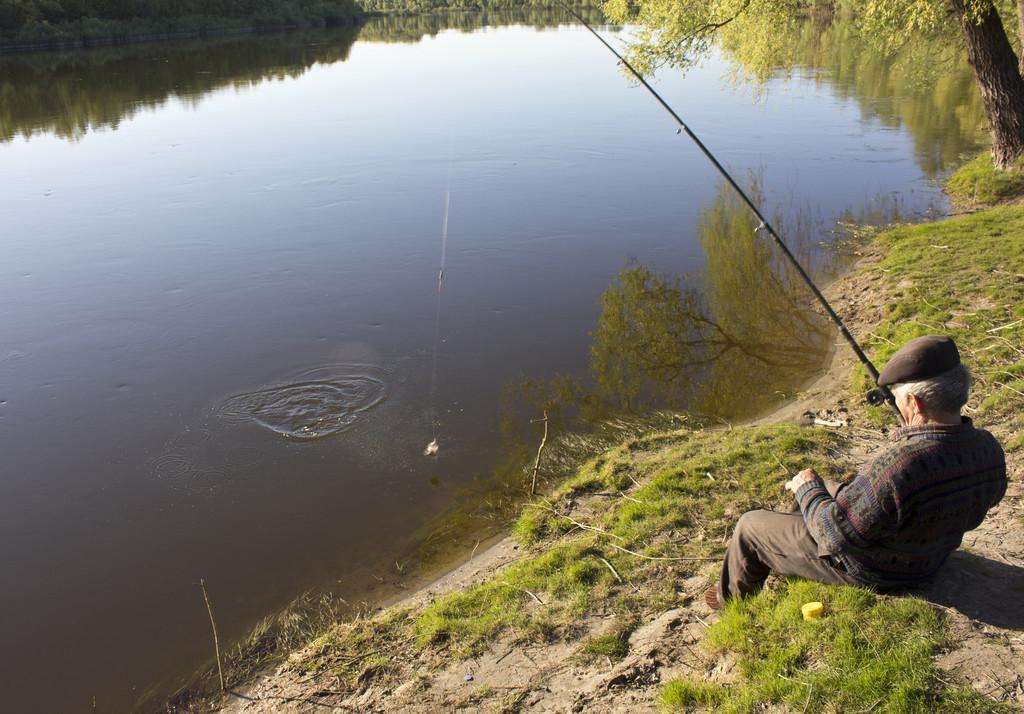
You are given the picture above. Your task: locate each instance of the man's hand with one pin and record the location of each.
(800, 479)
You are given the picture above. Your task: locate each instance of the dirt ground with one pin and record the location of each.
(981, 589)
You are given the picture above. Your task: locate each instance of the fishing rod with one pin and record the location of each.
(876, 396)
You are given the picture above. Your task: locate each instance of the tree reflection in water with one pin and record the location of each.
(71, 93)
(725, 342)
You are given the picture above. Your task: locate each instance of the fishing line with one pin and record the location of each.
(763, 223)
(433, 446)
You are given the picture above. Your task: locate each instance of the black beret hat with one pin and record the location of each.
(921, 358)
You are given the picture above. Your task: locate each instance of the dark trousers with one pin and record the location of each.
(767, 542)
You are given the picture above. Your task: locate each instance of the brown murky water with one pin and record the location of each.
(219, 282)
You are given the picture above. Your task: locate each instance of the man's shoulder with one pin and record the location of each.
(988, 439)
(898, 454)
(906, 455)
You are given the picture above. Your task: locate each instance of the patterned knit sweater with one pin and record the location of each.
(896, 522)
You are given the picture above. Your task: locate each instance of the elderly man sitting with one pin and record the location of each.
(895, 523)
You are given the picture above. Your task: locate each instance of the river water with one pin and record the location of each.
(224, 349)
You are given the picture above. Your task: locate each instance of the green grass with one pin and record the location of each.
(614, 646)
(980, 183)
(867, 652)
(694, 486)
(962, 277)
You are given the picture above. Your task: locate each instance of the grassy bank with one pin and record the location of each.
(635, 534)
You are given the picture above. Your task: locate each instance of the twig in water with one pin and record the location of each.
(658, 557)
(213, 626)
(536, 464)
(471, 555)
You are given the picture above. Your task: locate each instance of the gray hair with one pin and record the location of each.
(945, 393)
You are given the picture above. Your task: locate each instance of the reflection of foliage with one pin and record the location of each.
(68, 94)
(652, 331)
(721, 343)
(924, 83)
(397, 27)
(40, 24)
(427, 6)
(725, 342)
(761, 303)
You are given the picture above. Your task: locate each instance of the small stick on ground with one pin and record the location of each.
(522, 590)
(584, 526)
(536, 464)
(536, 599)
(610, 567)
(1005, 327)
(213, 626)
(352, 660)
(872, 707)
(810, 688)
(660, 557)
(510, 651)
(1006, 386)
(786, 468)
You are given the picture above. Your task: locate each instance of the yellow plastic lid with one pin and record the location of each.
(812, 610)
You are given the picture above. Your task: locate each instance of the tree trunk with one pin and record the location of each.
(999, 79)
(1020, 32)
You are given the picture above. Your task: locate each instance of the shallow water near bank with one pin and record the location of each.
(221, 268)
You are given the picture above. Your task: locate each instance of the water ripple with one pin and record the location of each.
(311, 405)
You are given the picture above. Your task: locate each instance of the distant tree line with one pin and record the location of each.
(413, 6)
(57, 23)
(40, 24)
(399, 23)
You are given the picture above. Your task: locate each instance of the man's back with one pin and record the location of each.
(900, 518)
